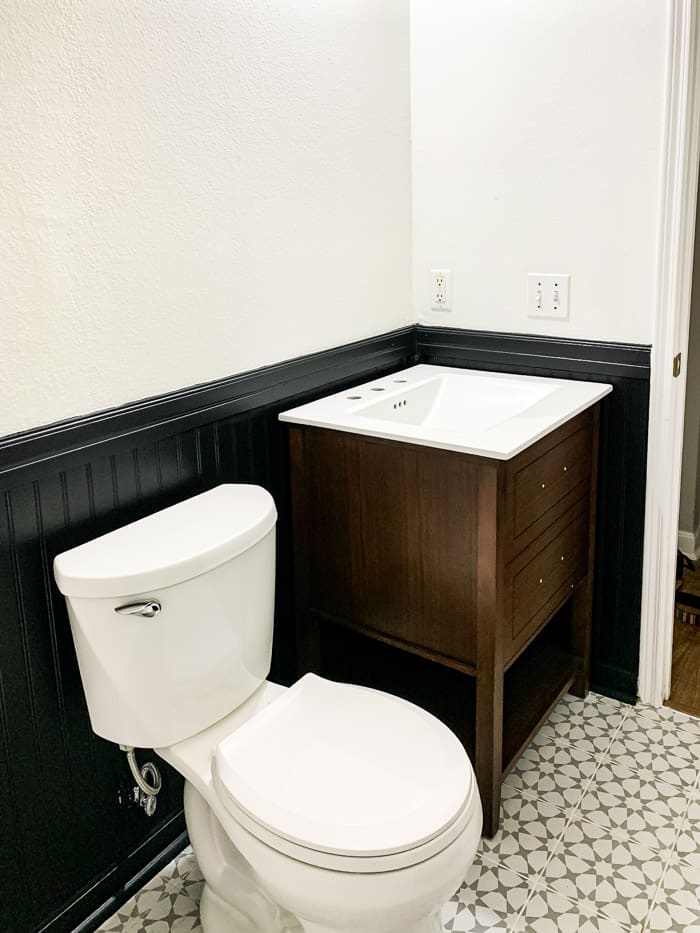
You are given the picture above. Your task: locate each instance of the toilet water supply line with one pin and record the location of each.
(149, 791)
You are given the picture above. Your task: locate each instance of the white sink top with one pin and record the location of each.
(487, 414)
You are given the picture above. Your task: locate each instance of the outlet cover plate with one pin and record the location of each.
(548, 295)
(441, 289)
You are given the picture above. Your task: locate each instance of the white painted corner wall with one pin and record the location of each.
(537, 134)
(190, 190)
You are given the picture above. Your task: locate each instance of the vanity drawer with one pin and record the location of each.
(546, 480)
(544, 580)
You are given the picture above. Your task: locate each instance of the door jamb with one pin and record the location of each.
(674, 267)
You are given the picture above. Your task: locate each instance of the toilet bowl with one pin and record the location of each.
(323, 807)
(405, 870)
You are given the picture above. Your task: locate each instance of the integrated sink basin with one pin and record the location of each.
(487, 414)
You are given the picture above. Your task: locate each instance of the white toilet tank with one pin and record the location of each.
(172, 616)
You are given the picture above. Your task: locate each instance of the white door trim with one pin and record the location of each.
(678, 198)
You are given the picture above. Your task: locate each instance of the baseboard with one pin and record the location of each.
(687, 542)
(133, 885)
(112, 891)
(614, 682)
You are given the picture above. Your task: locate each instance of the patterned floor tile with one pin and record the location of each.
(595, 711)
(634, 804)
(669, 719)
(589, 739)
(672, 756)
(169, 903)
(489, 901)
(553, 772)
(693, 813)
(546, 911)
(528, 833)
(677, 907)
(592, 699)
(695, 791)
(688, 841)
(614, 878)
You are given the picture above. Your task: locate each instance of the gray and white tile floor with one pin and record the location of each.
(600, 833)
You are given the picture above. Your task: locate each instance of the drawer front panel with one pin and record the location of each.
(547, 578)
(548, 479)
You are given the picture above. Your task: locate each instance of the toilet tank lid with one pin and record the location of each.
(169, 546)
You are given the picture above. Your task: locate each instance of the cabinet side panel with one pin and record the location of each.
(392, 540)
(329, 504)
(446, 512)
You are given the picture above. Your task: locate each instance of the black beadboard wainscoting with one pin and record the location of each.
(70, 853)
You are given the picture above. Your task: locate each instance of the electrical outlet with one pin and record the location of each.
(548, 295)
(441, 289)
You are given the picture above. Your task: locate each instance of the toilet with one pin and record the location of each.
(323, 807)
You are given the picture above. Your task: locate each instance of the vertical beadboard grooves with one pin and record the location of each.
(15, 858)
(63, 484)
(69, 849)
(622, 465)
(53, 641)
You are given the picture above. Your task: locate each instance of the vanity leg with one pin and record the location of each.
(581, 606)
(489, 743)
(489, 647)
(308, 629)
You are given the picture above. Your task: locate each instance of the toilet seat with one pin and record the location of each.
(368, 864)
(346, 777)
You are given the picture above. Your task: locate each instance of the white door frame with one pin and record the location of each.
(678, 198)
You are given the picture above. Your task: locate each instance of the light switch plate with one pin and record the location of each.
(548, 295)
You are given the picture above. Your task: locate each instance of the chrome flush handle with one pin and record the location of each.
(148, 610)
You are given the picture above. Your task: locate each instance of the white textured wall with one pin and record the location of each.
(193, 188)
(537, 131)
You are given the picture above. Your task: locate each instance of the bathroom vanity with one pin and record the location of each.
(454, 521)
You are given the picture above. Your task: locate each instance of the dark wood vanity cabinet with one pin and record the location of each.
(480, 565)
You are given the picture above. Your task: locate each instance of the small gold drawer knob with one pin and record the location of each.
(565, 469)
(543, 485)
(562, 557)
(540, 579)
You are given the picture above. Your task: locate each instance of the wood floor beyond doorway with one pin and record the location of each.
(685, 675)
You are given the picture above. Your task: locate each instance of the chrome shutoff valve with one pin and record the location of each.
(148, 781)
(147, 802)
